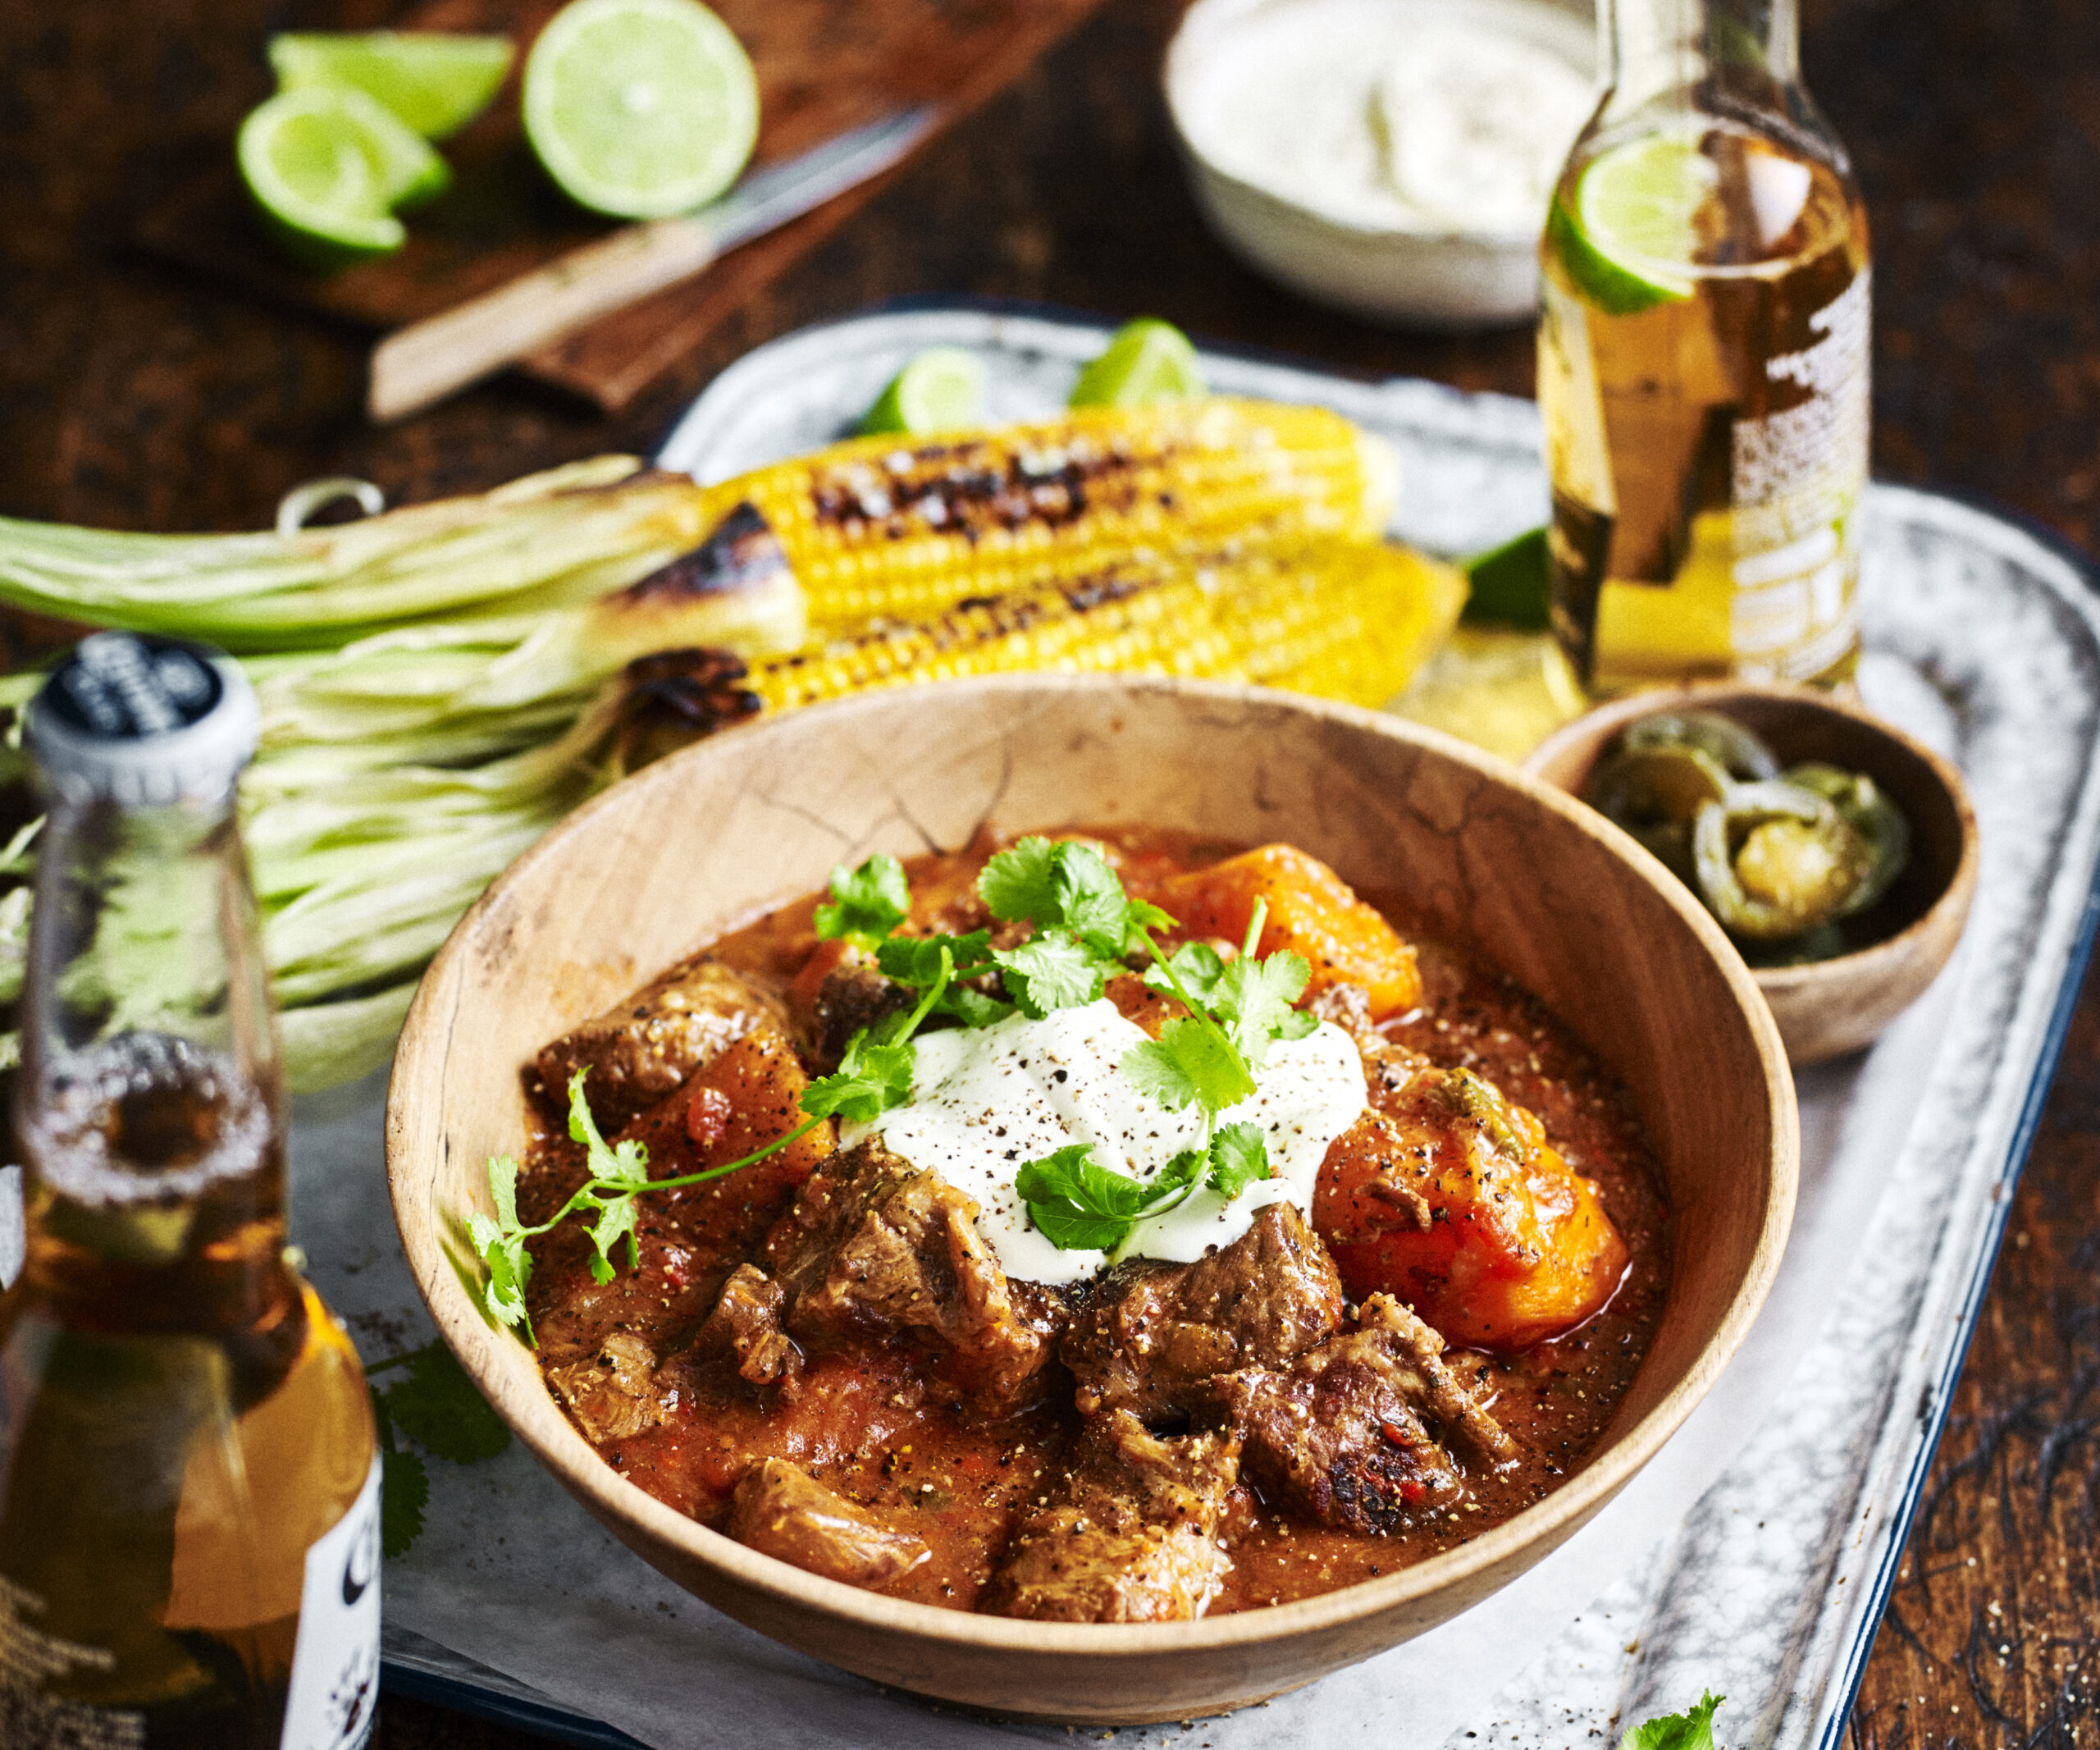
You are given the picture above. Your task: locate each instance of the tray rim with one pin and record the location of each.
(1864, 1618)
(1848, 1673)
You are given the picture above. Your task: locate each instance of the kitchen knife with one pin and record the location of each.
(426, 360)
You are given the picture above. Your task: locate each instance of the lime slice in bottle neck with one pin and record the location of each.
(435, 82)
(328, 166)
(940, 389)
(639, 109)
(1634, 233)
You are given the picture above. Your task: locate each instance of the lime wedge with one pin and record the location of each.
(640, 108)
(435, 82)
(941, 389)
(1512, 584)
(328, 166)
(1145, 360)
(1635, 228)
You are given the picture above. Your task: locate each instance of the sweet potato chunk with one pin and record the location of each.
(1447, 1196)
(1313, 911)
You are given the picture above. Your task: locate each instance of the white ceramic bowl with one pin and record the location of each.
(1416, 274)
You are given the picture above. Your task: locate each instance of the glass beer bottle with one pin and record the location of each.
(1703, 361)
(188, 1483)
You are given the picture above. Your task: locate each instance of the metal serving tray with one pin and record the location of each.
(1754, 1555)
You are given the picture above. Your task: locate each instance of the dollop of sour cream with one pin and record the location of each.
(986, 1100)
(1393, 117)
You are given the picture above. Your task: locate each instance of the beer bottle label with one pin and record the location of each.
(1798, 477)
(335, 1687)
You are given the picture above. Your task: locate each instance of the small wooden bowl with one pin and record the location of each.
(1834, 1006)
(1493, 863)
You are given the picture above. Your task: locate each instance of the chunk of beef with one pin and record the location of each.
(643, 1047)
(855, 995)
(1358, 1433)
(782, 1512)
(1149, 1335)
(744, 1329)
(611, 1392)
(875, 1247)
(689, 1239)
(1132, 1535)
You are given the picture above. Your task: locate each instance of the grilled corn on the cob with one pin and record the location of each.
(874, 528)
(1348, 620)
(884, 529)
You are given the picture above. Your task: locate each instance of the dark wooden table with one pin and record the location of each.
(132, 397)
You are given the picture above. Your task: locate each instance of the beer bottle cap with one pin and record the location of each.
(137, 719)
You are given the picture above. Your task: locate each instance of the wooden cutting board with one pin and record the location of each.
(824, 67)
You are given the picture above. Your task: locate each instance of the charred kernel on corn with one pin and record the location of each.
(880, 529)
(1348, 620)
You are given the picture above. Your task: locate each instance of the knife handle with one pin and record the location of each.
(426, 360)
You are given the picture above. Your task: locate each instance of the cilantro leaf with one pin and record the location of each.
(916, 960)
(1051, 970)
(1091, 903)
(1238, 1157)
(628, 1164)
(1253, 997)
(499, 1241)
(437, 1405)
(1077, 1204)
(404, 1493)
(1171, 1185)
(1066, 884)
(870, 1079)
(626, 1167)
(1146, 916)
(1017, 883)
(973, 1008)
(866, 903)
(1197, 965)
(503, 1188)
(1690, 1730)
(1189, 1064)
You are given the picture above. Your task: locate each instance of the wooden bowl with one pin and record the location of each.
(1495, 863)
(1834, 1006)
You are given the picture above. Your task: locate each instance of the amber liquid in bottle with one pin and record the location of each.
(186, 1443)
(1708, 446)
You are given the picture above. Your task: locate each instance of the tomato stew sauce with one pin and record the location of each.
(867, 1420)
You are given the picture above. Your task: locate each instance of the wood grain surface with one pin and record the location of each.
(134, 396)
(824, 67)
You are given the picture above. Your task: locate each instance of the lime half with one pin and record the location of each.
(941, 389)
(435, 82)
(1145, 360)
(640, 108)
(1634, 229)
(328, 166)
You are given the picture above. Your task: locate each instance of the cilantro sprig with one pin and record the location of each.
(1237, 1010)
(866, 903)
(1693, 1730)
(433, 1405)
(1084, 929)
(874, 1074)
(1078, 1204)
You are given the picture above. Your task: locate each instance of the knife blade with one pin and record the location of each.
(425, 361)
